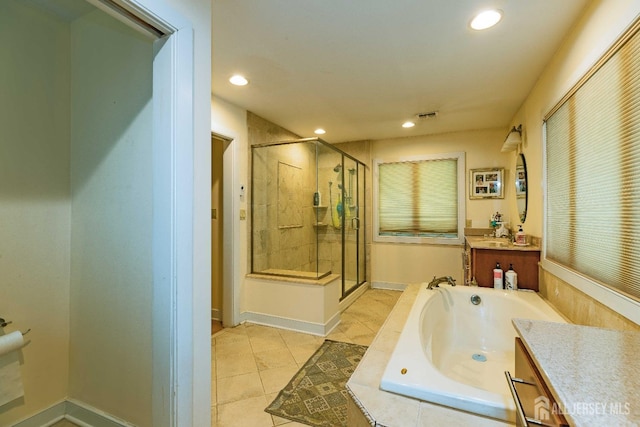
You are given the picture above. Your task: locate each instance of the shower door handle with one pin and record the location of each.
(355, 223)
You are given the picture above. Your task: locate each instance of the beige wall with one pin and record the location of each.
(112, 217)
(410, 263)
(282, 184)
(35, 209)
(601, 24)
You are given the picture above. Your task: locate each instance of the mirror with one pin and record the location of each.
(521, 187)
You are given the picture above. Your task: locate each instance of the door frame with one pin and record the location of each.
(229, 298)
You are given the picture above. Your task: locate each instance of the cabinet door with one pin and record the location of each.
(534, 395)
(525, 263)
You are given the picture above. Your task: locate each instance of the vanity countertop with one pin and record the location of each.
(498, 243)
(593, 373)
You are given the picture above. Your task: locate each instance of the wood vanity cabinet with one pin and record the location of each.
(537, 403)
(525, 263)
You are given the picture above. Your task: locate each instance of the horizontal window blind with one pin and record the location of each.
(593, 174)
(418, 198)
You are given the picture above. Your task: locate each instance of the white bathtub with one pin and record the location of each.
(444, 336)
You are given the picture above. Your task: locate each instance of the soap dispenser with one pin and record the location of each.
(521, 237)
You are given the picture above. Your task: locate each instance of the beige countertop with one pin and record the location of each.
(498, 243)
(593, 373)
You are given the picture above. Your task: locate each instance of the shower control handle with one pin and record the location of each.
(355, 223)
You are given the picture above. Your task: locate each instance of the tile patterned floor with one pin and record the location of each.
(252, 363)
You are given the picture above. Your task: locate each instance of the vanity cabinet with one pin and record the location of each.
(535, 403)
(481, 258)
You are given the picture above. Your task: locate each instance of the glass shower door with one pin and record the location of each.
(353, 227)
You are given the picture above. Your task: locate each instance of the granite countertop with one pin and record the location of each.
(498, 243)
(593, 373)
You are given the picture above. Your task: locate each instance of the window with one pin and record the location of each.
(420, 200)
(593, 174)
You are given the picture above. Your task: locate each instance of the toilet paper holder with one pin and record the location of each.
(4, 323)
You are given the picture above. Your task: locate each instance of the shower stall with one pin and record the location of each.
(307, 207)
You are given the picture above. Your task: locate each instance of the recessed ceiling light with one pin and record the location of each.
(319, 131)
(408, 124)
(486, 19)
(238, 80)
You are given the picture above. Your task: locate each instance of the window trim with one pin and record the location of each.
(459, 156)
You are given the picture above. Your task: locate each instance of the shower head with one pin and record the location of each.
(337, 168)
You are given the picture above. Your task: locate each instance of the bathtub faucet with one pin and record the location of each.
(435, 281)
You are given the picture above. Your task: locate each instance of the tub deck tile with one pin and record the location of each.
(392, 410)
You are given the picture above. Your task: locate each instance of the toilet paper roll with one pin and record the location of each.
(11, 342)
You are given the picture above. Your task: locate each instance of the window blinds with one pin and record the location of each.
(593, 173)
(418, 198)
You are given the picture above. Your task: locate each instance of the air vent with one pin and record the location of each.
(429, 115)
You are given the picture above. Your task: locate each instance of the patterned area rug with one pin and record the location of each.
(316, 395)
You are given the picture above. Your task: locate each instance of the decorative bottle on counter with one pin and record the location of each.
(511, 279)
(521, 237)
(498, 276)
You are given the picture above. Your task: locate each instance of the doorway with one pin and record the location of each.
(219, 144)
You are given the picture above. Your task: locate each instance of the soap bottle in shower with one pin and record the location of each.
(498, 277)
(511, 279)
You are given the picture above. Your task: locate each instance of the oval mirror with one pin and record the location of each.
(521, 187)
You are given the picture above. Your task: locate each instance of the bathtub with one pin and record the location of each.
(454, 353)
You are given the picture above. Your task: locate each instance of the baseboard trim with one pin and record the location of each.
(292, 324)
(45, 418)
(75, 411)
(389, 285)
(87, 416)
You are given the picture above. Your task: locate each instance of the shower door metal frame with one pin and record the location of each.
(360, 275)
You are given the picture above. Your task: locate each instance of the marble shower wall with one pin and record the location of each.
(284, 180)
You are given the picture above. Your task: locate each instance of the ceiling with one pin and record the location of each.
(360, 68)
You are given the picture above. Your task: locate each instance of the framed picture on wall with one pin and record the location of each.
(486, 183)
(521, 182)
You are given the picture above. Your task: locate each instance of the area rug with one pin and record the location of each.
(317, 395)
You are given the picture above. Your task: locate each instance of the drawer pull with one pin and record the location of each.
(516, 399)
(519, 380)
(526, 421)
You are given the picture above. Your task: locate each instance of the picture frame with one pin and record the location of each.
(486, 183)
(521, 182)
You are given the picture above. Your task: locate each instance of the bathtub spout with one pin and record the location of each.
(436, 281)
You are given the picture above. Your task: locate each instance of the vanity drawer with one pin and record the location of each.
(536, 404)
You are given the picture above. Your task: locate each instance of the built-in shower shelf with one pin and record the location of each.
(320, 224)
